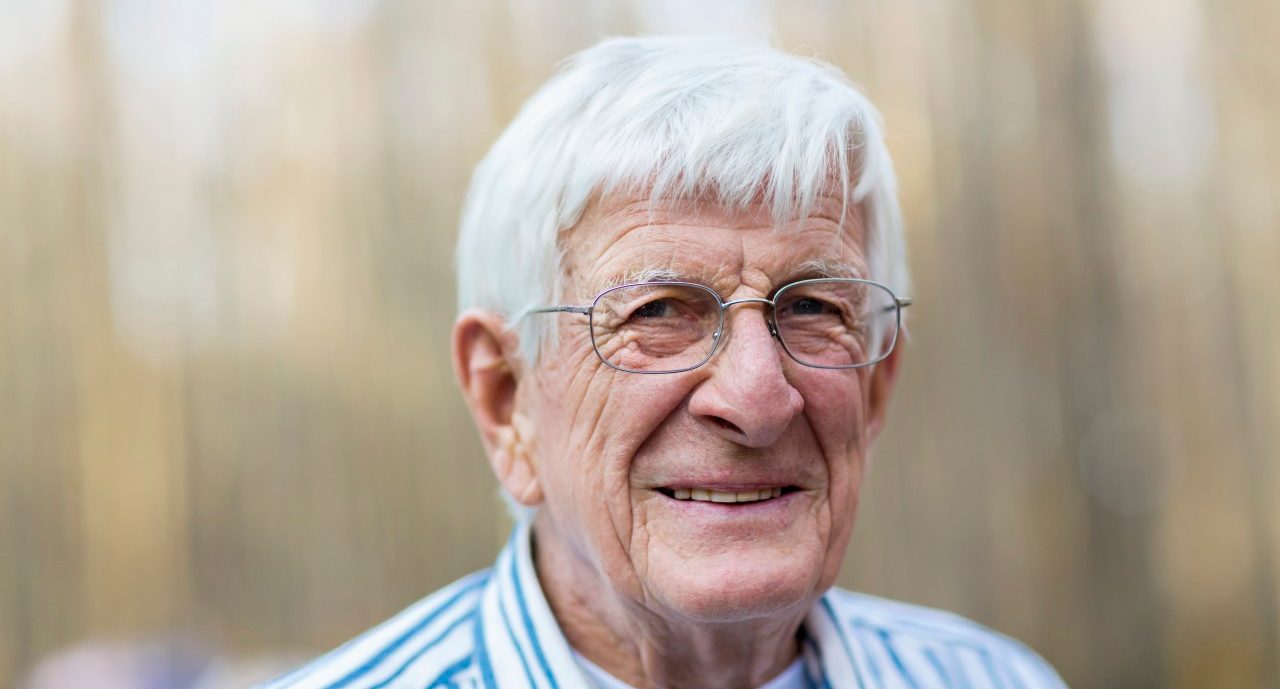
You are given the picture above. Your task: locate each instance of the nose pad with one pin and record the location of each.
(717, 337)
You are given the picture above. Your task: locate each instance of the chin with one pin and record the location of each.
(735, 589)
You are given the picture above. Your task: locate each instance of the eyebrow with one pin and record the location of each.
(827, 268)
(654, 274)
(649, 274)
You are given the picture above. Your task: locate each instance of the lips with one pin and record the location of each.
(706, 494)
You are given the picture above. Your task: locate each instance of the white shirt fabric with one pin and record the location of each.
(494, 630)
(790, 678)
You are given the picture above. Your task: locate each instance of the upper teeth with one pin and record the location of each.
(708, 495)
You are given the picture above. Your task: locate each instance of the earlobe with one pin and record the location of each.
(487, 365)
(884, 378)
(519, 471)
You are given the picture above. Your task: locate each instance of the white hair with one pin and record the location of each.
(687, 118)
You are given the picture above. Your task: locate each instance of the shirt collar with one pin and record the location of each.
(522, 647)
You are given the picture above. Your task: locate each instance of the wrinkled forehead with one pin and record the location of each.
(635, 237)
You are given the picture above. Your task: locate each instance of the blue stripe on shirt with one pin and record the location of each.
(872, 665)
(817, 652)
(990, 665)
(482, 651)
(506, 622)
(938, 667)
(897, 661)
(420, 652)
(844, 639)
(403, 638)
(446, 678)
(528, 625)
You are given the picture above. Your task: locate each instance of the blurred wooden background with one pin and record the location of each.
(226, 408)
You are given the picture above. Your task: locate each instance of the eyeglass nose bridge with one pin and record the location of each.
(724, 306)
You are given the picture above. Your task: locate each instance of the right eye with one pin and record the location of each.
(654, 309)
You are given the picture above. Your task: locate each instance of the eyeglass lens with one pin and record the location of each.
(664, 327)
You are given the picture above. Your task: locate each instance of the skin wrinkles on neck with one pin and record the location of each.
(649, 651)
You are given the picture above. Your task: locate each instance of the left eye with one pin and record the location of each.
(809, 307)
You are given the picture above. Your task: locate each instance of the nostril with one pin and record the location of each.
(727, 425)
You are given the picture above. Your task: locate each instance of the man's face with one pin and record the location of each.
(611, 448)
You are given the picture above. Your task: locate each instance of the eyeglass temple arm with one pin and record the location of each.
(563, 308)
(901, 303)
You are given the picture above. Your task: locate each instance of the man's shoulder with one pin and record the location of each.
(891, 632)
(431, 638)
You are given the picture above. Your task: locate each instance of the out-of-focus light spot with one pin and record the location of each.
(1160, 120)
(1160, 133)
(40, 100)
(27, 28)
(732, 17)
(123, 666)
(178, 287)
(173, 40)
(308, 15)
(1013, 88)
(160, 664)
(1128, 460)
(164, 294)
(186, 275)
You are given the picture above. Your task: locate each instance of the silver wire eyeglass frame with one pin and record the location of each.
(898, 304)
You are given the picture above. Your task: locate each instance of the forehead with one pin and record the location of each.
(621, 238)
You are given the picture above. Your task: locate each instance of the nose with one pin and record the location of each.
(747, 397)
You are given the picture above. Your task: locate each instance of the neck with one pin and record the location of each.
(653, 649)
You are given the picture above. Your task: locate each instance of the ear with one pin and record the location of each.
(486, 362)
(884, 378)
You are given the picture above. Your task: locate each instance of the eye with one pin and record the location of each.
(654, 309)
(809, 306)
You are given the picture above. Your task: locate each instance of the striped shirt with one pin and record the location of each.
(494, 630)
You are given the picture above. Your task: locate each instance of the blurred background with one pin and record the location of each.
(229, 436)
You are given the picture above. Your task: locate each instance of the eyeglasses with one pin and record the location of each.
(670, 327)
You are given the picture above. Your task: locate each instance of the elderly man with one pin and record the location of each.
(681, 281)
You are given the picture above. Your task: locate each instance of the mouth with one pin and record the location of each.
(700, 494)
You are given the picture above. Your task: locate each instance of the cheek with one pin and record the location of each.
(559, 387)
(836, 406)
(590, 421)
